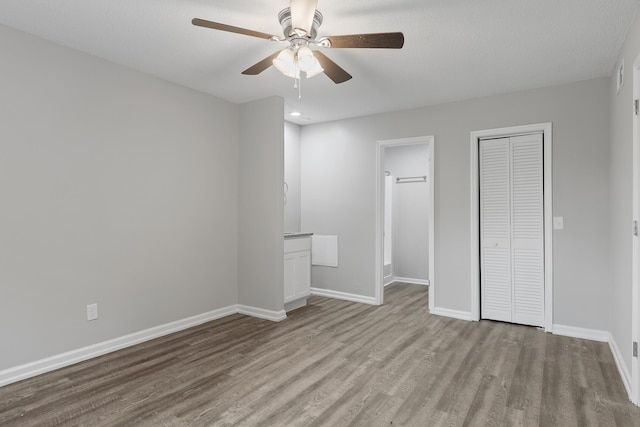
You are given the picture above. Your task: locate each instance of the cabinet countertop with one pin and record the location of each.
(296, 235)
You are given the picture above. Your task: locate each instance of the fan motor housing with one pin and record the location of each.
(285, 21)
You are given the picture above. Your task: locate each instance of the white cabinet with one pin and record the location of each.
(297, 268)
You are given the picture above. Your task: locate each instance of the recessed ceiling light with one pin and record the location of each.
(295, 114)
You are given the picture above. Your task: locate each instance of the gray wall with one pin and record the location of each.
(338, 177)
(116, 189)
(292, 133)
(621, 196)
(260, 204)
(410, 217)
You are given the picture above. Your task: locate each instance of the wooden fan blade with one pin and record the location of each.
(302, 12)
(372, 41)
(259, 67)
(229, 28)
(331, 69)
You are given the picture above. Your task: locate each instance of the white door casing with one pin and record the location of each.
(388, 228)
(379, 222)
(635, 275)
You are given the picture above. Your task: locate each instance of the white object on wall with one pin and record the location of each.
(324, 250)
(558, 223)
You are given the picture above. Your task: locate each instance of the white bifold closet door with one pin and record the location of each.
(512, 229)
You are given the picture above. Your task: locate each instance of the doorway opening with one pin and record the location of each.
(405, 196)
(543, 129)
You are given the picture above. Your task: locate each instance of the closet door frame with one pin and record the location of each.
(546, 130)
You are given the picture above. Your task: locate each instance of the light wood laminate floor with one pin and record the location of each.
(336, 363)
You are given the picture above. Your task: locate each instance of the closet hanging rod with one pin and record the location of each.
(408, 179)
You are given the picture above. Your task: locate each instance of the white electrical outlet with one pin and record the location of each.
(92, 311)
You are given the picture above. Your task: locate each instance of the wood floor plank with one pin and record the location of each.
(557, 403)
(336, 363)
(489, 406)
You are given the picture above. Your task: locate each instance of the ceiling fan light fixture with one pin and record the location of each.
(285, 63)
(290, 63)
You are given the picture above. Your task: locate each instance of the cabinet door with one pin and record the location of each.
(289, 276)
(303, 274)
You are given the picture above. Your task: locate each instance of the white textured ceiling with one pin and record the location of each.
(454, 49)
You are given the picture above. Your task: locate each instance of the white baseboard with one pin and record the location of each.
(274, 316)
(343, 295)
(602, 336)
(52, 363)
(587, 334)
(462, 315)
(424, 282)
(58, 361)
(622, 368)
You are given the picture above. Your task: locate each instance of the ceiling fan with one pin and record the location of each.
(300, 23)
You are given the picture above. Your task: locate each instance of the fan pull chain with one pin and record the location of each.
(297, 82)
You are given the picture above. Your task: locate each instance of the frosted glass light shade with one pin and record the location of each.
(307, 62)
(285, 63)
(315, 70)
